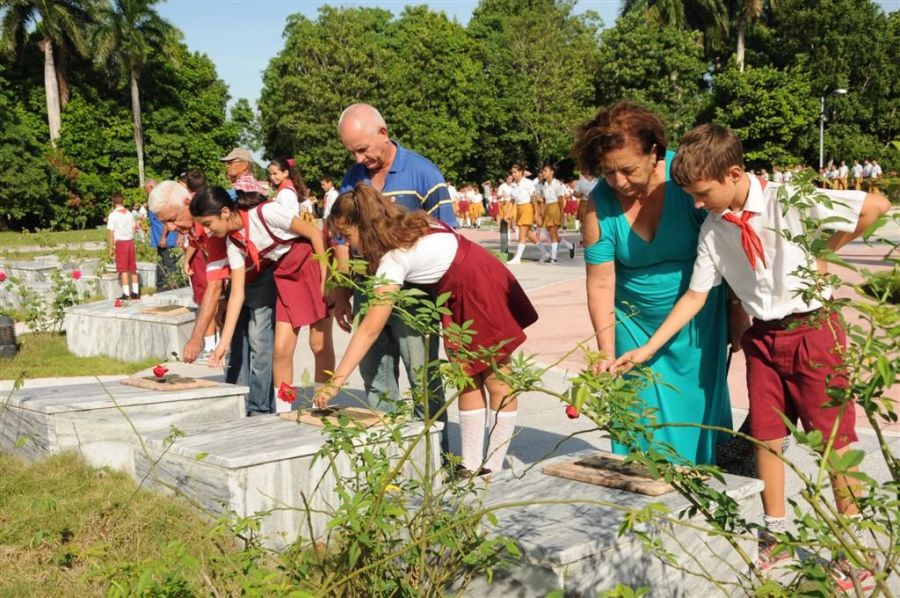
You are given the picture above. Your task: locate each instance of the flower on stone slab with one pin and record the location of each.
(76, 274)
(287, 393)
(572, 412)
(2, 276)
(160, 370)
(117, 303)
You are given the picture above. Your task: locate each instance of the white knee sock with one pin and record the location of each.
(520, 249)
(499, 441)
(566, 244)
(471, 428)
(490, 421)
(554, 249)
(209, 343)
(125, 289)
(135, 289)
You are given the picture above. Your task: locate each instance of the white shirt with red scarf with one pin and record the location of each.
(278, 220)
(772, 290)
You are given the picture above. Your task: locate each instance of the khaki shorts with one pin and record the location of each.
(552, 215)
(524, 214)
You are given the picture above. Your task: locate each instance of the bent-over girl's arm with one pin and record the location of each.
(360, 343)
(232, 313)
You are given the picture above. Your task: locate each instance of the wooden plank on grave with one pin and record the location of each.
(165, 310)
(170, 383)
(610, 471)
(365, 417)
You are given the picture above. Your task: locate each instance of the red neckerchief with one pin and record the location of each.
(749, 239)
(241, 238)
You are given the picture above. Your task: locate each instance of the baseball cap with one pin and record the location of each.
(239, 153)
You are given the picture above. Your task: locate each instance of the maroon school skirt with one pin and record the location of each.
(298, 282)
(484, 291)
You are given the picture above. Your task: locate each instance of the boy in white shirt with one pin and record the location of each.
(120, 224)
(742, 242)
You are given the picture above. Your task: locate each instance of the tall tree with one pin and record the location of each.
(60, 24)
(660, 67)
(247, 120)
(748, 11)
(541, 60)
(710, 17)
(126, 33)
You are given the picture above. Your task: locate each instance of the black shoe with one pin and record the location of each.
(572, 252)
(135, 297)
(123, 297)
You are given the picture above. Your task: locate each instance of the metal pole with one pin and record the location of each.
(822, 134)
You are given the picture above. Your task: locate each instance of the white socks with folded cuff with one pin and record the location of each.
(209, 343)
(501, 435)
(500, 426)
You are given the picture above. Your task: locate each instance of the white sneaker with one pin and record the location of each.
(514, 261)
(545, 258)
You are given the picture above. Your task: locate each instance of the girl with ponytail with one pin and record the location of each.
(411, 247)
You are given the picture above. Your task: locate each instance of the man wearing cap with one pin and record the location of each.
(414, 183)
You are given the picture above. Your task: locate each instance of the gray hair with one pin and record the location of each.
(167, 194)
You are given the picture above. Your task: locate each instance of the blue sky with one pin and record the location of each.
(240, 36)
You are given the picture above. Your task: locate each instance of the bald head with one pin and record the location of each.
(361, 117)
(364, 133)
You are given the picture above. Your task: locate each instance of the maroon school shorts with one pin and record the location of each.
(789, 371)
(198, 278)
(125, 260)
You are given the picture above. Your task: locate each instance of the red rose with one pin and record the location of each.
(571, 412)
(117, 303)
(76, 274)
(2, 276)
(160, 370)
(287, 393)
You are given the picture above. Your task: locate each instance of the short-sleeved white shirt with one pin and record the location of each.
(521, 191)
(552, 191)
(857, 171)
(423, 263)
(770, 292)
(287, 197)
(279, 221)
(584, 186)
(504, 192)
(121, 223)
(330, 196)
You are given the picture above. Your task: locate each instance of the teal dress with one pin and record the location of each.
(650, 278)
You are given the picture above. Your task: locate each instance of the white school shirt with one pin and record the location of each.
(504, 192)
(584, 186)
(522, 191)
(857, 171)
(287, 197)
(552, 191)
(771, 291)
(330, 196)
(121, 223)
(279, 220)
(423, 263)
(843, 171)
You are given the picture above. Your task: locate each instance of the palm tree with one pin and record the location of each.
(126, 33)
(708, 16)
(60, 25)
(748, 11)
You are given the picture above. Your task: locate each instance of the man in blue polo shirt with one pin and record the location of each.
(414, 183)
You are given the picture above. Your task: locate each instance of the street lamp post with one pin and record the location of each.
(839, 91)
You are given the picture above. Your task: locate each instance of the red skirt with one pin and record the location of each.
(571, 207)
(298, 285)
(486, 293)
(125, 259)
(198, 278)
(493, 209)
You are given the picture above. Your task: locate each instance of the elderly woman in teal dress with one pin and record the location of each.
(640, 234)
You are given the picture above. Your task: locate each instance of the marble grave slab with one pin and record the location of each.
(102, 419)
(262, 464)
(126, 332)
(576, 547)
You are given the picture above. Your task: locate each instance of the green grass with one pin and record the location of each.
(51, 239)
(64, 254)
(67, 529)
(46, 355)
